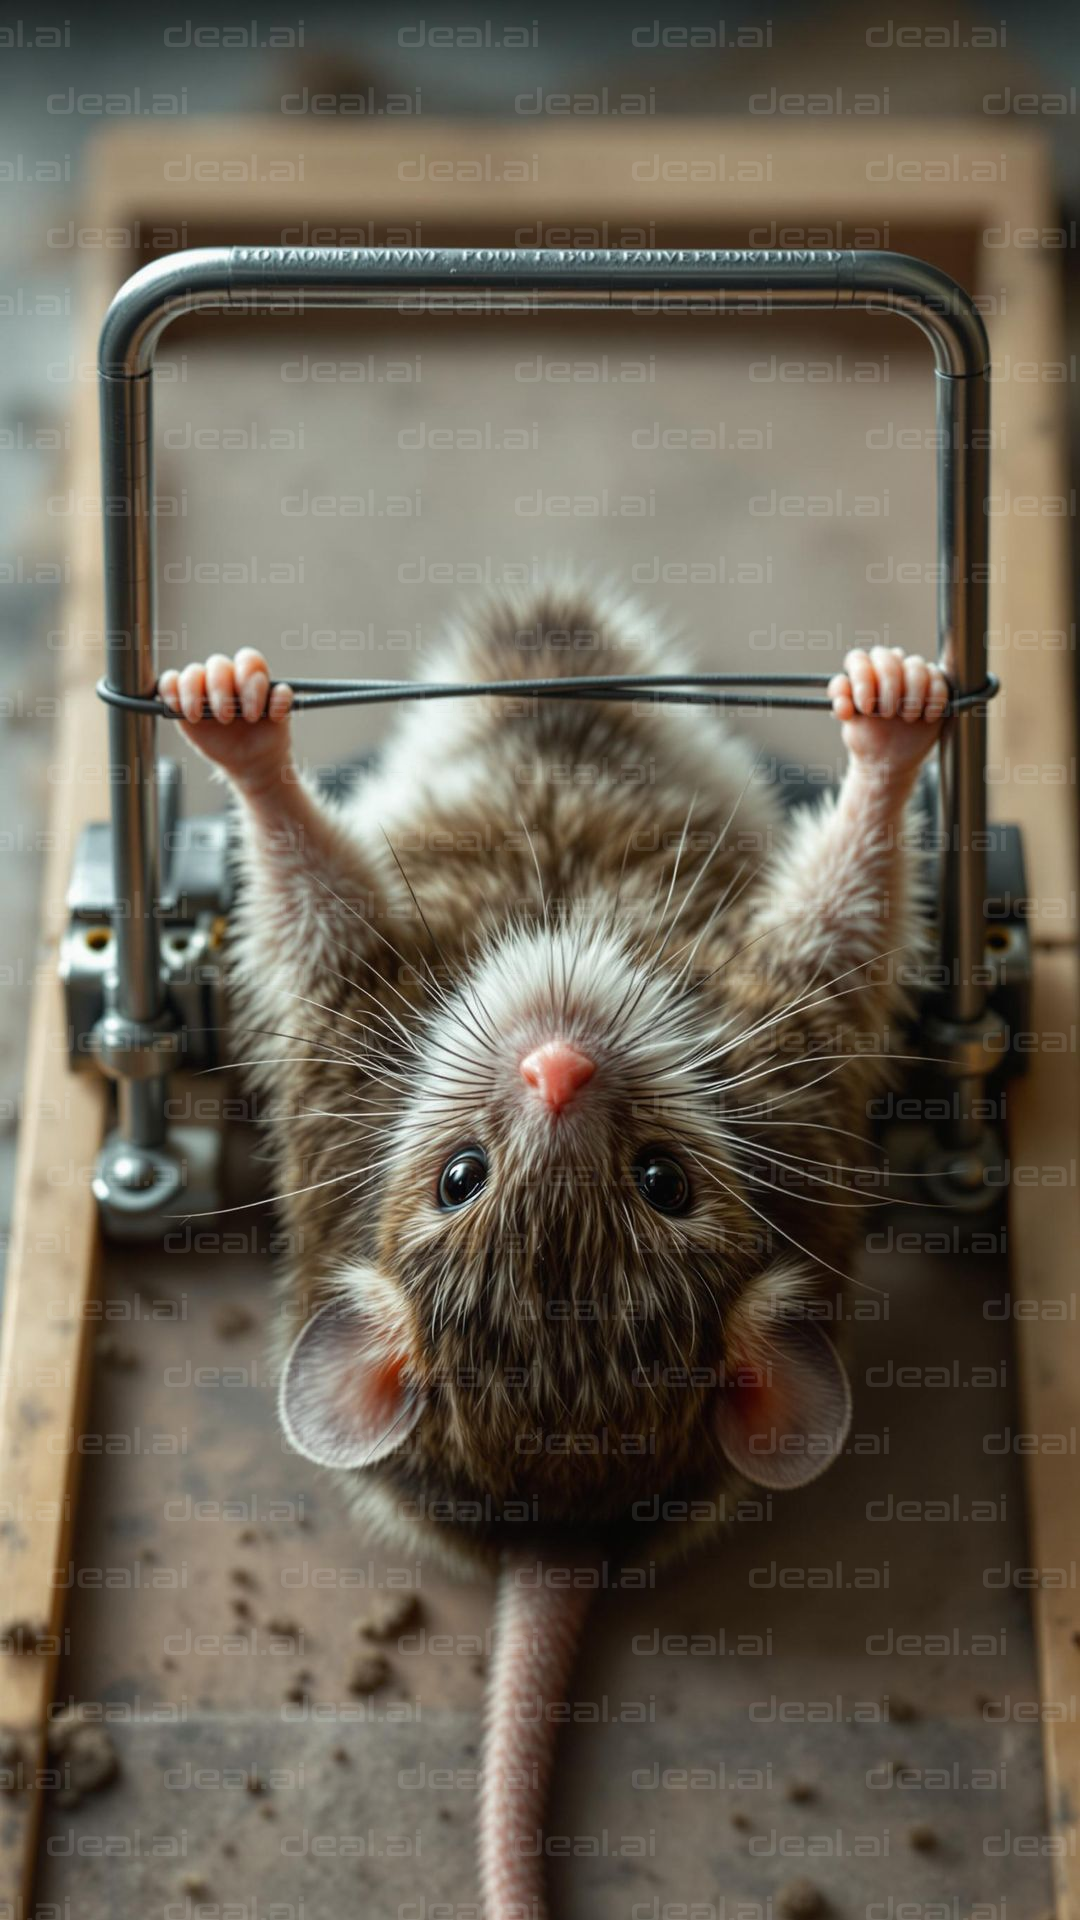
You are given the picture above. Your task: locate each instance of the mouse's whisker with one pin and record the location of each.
(715, 848)
(763, 934)
(802, 1165)
(369, 924)
(882, 1177)
(650, 964)
(359, 1186)
(802, 1001)
(791, 1063)
(335, 1058)
(796, 1093)
(773, 1227)
(376, 999)
(436, 984)
(369, 1053)
(731, 1044)
(270, 1060)
(767, 1107)
(345, 1055)
(848, 1133)
(728, 900)
(689, 895)
(580, 938)
(383, 1021)
(678, 859)
(536, 864)
(781, 1154)
(431, 1041)
(690, 1069)
(785, 1066)
(615, 905)
(272, 1199)
(407, 1038)
(692, 947)
(410, 970)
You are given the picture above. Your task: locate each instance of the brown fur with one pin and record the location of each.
(570, 1339)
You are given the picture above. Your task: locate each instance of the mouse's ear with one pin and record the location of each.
(784, 1411)
(348, 1394)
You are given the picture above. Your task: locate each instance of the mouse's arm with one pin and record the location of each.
(843, 889)
(309, 904)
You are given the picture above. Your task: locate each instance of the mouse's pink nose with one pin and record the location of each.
(557, 1070)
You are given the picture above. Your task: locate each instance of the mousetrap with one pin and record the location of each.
(141, 957)
(954, 1298)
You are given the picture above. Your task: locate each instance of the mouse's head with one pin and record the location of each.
(573, 1296)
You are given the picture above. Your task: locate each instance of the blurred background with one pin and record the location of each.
(366, 586)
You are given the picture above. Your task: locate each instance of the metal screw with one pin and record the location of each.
(133, 1171)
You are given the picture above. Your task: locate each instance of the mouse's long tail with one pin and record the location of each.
(538, 1619)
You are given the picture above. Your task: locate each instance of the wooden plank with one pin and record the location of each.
(53, 1258)
(46, 1329)
(1032, 729)
(928, 173)
(1044, 1236)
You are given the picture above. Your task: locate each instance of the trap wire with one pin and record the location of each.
(663, 689)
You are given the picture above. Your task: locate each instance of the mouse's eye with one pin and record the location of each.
(462, 1177)
(662, 1182)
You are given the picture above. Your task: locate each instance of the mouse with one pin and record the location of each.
(563, 1032)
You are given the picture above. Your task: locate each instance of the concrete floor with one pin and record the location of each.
(866, 1644)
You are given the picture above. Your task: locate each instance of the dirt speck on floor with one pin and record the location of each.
(387, 1614)
(368, 1672)
(84, 1755)
(24, 1636)
(12, 1762)
(801, 1900)
(283, 1627)
(801, 1792)
(112, 1352)
(923, 1839)
(232, 1320)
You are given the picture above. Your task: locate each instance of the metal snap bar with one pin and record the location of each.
(668, 689)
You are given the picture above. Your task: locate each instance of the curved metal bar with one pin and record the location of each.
(295, 279)
(249, 280)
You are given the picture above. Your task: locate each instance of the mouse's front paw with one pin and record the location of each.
(891, 703)
(229, 711)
